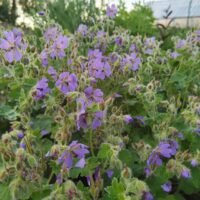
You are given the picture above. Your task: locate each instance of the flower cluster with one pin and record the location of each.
(83, 116)
(98, 65)
(13, 45)
(131, 61)
(111, 11)
(67, 82)
(56, 43)
(165, 149)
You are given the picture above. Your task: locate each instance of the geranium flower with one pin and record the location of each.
(167, 187)
(111, 11)
(67, 82)
(42, 89)
(74, 150)
(58, 47)
(13, 45)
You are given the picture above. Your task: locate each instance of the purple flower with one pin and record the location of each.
(50, 34)
(174, 54)
(13, 45)
(74, 150)
(113, 57)
(194, 163)
(58, 47)
(154, 159)
(150, 42)
(67, 82)
(17, 32)
(133, 48)
(52, 72)
(97, 119)
(82, 29)
(174, 146)
(22, 145)
(186, 173)
(59, 179)
(96, 176)
(111, 11)
(82, 121)
(109, 173)
(167, 187)
(94, 54)
(165, 149)
(81, 114)
(20, 135)
(99, 68)
(147, 171)
(119, 41)
(180, 44)
(94, 95)
(88, 180)
(197, 35)
(132, 61)
(128, 119)
(101, 34)
(44, 58)
(80, 163)
(42, 89)
(41, 13)
(197, 131)
(148, 51)
(180, 135)
(139, 120)
(44, 132)
(147, 196)
(149, 45)
(79, 149)
(66, 160)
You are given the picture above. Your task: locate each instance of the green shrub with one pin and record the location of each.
(140, 20)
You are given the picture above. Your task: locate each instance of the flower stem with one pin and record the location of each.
(91, 144)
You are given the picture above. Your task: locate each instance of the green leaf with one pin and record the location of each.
(75, 172)
(116, 191)
(5, 192)
(105, 151)
(42, 193)
(172, 197)
(42, 122)
(127, 157)
(92, 163)
(7, 112)
(21, 189)
(28, 84)
(196, 177)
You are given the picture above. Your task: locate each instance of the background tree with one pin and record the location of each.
(8, 11)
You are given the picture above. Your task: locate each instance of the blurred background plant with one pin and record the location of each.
(139, 20)
(8, 11)
(70, 13)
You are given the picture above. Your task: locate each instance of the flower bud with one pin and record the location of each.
(126, 173)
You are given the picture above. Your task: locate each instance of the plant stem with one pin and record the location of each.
(91, 144)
